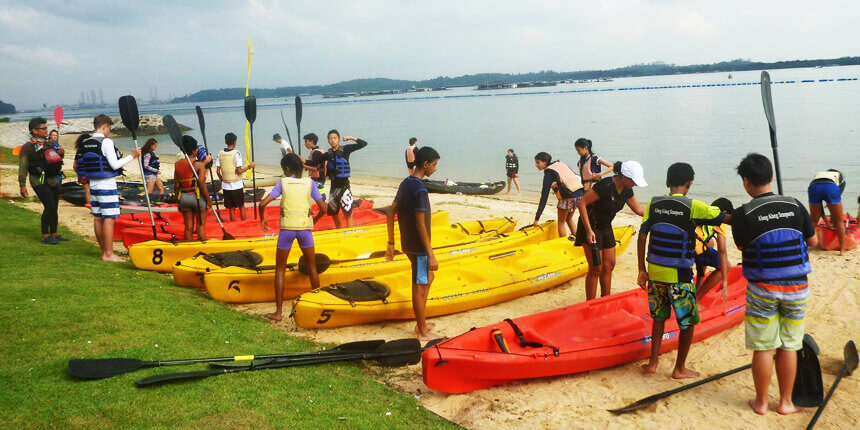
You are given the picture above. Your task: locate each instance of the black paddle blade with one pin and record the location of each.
(173, 130)
(322, 262)
(100, 368)
(767, 100)
(250, 108)
(201, 121)
(128, 113)
(808, 387)
(398, 353)
(298, 111)
(850, 352)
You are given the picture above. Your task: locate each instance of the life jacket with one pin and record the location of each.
(227, 158)
(92, 162)
(187, 182)
(588, 167)
(704, 234)
(153, 161)
(296, 204)
(338, 166)
(511, 162)
(672, 232)
(831, 176)
(320, 173)
(778, 250)
(566, 175)
(48, 161)
(201, 155)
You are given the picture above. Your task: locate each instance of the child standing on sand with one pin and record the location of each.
(412, 206)
(773, 233)
(296, 224)
(671, 221)
(512, 170)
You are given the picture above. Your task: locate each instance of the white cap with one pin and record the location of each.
(634, 171)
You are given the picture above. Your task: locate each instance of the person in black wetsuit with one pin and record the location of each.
(512, 170)
(338, 170)
(558, 177)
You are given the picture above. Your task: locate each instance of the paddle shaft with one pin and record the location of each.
(253, 172)
(767, 102)
(842, 372)
(288, 130)
(298, 104)
(145, 191)
(206, 145)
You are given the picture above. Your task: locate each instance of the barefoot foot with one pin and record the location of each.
(275, 316)
(650, 367)
(759, 409)
(113, 258)
(683, 373)
(787, 408)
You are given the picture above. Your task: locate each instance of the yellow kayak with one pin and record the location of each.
(161, 256)
(189, 272)
(238, 285)
(458, 286)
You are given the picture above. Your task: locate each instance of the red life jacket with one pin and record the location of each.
(185, 174)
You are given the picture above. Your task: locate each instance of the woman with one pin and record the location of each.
(589, 163)
(559, 177)
(41, 164)
(604, 200)
(82, 179)
(151, 165)
(512, 170)
(194, 200)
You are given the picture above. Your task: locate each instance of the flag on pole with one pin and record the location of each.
(247, 124)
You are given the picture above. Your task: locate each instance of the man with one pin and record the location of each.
(284, 144)
(773, 233)
(98, 161)
(410, 154)
(230, 166)
(41, 162)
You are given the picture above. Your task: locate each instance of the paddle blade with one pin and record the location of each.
(398, 353)
(250, 108)
(850, 352)
(767, 100)
(58, 115)
(200, 119)
(177, 377)
(100, 368)
(322, 262)
(808, 387)
(227, 236)
(298, 111)
(128, 113)
(173, 130)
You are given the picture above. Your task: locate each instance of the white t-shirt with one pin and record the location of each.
(237, 185)
(286, 147)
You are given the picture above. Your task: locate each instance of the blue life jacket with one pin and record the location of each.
(672, 234)
(153, 161)
(92, 163)
(338, 166)
(779, 249)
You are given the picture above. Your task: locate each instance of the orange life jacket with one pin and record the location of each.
(185, 174)
(566, 175)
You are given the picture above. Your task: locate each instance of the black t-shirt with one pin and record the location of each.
(412, 197)
(602, 212)
(742, 234)
(347, 149)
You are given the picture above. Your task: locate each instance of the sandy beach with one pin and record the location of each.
(579, 401)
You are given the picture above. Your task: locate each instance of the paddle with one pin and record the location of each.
(299, 120)
(288, 129)
(850, 364)
(131, 120)
(176, 136)
(205, 145)
(100, 368)
(58, 117)
(767, 101)
(394, 353)
(251, 115)
(808, 389)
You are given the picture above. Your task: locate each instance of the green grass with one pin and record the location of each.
(7, 156)
(59, 302)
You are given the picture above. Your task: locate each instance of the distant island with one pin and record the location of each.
(384, 85)
(6, 108)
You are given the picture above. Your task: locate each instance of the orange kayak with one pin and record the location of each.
(828, 239)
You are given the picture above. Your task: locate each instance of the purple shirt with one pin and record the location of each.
(314, 191)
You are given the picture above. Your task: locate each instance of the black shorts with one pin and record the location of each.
(340, 199)
(234, 198)
(512, 173)
(605, 237)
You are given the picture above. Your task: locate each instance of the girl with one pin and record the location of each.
(512, 169)
(568, 189)
(151, 165)
(589, 163)
(81, 178)
(296, 195)
(54, 141)
(605, 199)
(194, 200)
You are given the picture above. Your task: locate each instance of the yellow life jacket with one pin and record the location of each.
(704, 234)
(296, 204)
(566, 175)
(228, 165)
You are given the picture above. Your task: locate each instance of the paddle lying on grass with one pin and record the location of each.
(176, 136)
(394, 353)
(251, 115)
(849, 365)
(299, 120)
(290, 138)
(767, 101)
(205, 145)
(131, 120)
(100, 368)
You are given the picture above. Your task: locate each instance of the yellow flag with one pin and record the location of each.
(248, 173)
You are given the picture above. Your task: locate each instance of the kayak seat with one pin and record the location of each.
(234, 258)
(359, 291)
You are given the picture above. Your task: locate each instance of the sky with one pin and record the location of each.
(52, 50)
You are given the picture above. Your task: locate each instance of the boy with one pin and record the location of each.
(284, 144)
(773, 233)
(315, 164)
(412, 206)
(230, 166)
(827, 187)
(410, 154)
(707, 256)
(669, 279)
(97, 160)
(338, 170)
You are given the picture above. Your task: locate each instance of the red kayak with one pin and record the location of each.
(239, 229)
(827, 238)
(591, 335)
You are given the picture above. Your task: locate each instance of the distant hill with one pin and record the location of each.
(379, 84)
(6, 108)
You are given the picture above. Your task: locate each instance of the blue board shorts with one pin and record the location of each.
(420, 268)
(824, 191)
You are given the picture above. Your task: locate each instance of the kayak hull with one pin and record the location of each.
(829, 240)
(473, 188)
